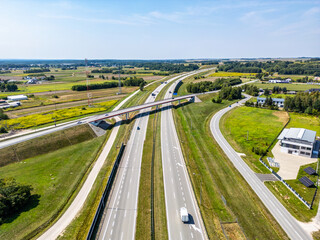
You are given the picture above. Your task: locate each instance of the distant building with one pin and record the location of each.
(288, 80)
(17, 98)
(291, 92)
(298, 141)
(313, 90)
(316, 78)
(277, 101)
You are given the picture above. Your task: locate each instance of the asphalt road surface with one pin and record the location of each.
(177, 186)
(119, 220)
(279, 212)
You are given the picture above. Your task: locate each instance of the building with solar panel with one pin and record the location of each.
(298, 141)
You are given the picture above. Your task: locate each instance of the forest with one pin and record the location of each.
(206, 86)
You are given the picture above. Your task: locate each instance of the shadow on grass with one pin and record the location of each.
(32, 203)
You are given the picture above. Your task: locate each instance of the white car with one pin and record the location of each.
(184, 215)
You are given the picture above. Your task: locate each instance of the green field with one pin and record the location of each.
(38, 119)
(216, 178)
(54, 177)
(290, 87)
(298, 120)
(246, 128)
(231, 74)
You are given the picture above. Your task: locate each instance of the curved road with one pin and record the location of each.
(279, 212)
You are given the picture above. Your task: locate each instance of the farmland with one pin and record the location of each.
(38, 119)
(290, 87)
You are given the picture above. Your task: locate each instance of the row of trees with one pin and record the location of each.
(230, 93)
(13, 197)
(37, 70)
(277, 89)
(303, 103)
(132, 81)
(282, 67)
(206, 86)
(8, 87)
(251, 89)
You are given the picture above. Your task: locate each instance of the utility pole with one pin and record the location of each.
(119, 82)
(87, 75)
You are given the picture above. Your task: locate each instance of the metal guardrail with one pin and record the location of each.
(286, 184)
(97, 217)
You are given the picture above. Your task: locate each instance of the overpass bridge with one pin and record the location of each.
(126, 111)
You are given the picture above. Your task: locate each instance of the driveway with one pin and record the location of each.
(289, 163)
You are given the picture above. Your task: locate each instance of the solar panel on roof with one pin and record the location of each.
(310, 170)
(306, 181)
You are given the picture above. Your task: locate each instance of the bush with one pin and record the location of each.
(3, 130)
(13, 197)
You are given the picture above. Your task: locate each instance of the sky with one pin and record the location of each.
(158, 29)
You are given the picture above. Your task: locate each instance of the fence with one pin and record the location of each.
(286, 184)
(97, 217)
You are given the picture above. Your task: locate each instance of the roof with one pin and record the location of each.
(298, 133)
(273, 99)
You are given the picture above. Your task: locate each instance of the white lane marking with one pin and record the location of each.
(128, 195)
(174, 195)
(191, 235)
(195, 228)
(125, 213)
(111, 232)
(122, 235)
(179, 164)
(112, 223)
(181, 236)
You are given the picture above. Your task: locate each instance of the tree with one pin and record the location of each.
(142, 86)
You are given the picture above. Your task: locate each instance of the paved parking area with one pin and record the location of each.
(289, 164)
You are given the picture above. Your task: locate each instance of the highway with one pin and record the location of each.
(279, 212)
(119, 220)
(177, 186)
(116, 112)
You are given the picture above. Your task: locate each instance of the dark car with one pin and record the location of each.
(138, 128)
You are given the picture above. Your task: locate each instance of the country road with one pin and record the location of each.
(279, 212)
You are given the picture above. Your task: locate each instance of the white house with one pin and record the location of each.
(288, 80)
(17, 97)
(276, 101)
(298, 141)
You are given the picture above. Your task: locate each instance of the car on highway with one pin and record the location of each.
(229, 105)
(106, 114)
(169, 91)
(79, 122)
(138, 128)
(184, 215)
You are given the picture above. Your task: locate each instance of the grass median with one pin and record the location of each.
(225, 195)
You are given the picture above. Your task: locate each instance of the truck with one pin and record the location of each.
(184, 215)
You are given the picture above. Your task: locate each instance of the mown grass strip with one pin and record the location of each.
(215, 177)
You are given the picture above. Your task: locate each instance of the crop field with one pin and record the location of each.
(54, 178)
(216, 178)
(290, 87)
(246, 128)
(58, 115)
(231, 74)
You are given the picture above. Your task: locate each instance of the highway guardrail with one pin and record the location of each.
(102, 204)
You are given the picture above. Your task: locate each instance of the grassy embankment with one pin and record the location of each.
(38, 119)
(246, 128)
(54, 176)
(296, 208)
(80, 226)
(217, 180)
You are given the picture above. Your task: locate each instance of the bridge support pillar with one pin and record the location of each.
(127, 116)
(157, 107)
(179, 102)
